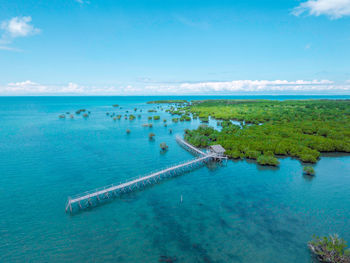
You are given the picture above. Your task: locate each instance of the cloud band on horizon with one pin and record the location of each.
(199, 88)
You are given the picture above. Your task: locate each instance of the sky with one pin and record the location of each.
(174, 47)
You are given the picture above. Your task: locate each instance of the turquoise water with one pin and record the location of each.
(237, 213)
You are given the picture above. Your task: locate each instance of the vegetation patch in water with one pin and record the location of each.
(330, 249)
(301, 129)
(309, 170)
(80, 111)
(167, 101)
(164, 146)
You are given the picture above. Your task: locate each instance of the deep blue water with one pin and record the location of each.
(237, 213)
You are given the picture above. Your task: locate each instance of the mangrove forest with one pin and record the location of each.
(297, 128)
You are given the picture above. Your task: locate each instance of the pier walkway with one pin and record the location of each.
(189, 147)
(96, 196)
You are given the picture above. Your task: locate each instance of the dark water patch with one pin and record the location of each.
(334, 154)
(267, 168)
(224, 224)
(234, 258)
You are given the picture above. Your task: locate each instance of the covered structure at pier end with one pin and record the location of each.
(217, 149)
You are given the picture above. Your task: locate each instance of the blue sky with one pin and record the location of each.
(134, 47)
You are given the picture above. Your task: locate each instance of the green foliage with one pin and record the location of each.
(152, 110)
(330, 249)
(309, 170)
(301, 129)
(185, 118)
(267, 160)
(163, 146)
(151, 135)
(131, 117)
(175, 119)
(167, 101)
(80, 111)
(150, 117)
(156, 117)
(252, 154)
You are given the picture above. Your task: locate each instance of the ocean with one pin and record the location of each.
(238, 212)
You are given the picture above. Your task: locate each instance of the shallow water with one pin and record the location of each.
(236, 213)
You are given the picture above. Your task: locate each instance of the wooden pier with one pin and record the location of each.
(96, 196)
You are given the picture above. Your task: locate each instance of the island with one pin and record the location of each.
(263, 130)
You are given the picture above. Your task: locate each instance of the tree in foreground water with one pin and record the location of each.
(330, 249)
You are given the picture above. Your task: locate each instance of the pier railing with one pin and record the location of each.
(96, 196)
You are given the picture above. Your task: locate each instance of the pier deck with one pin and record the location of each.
(95, 196)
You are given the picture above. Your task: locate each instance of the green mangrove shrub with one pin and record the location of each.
(308, 170)
(331, 249)
(267, 160)
(163, 146)
(80, 111)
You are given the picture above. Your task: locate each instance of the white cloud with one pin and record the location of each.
(250, 86)
(19, 27)
(258, 85)
(9, 48)
(211, 88)
(332, 8)
(32, 88)
(14, 28)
